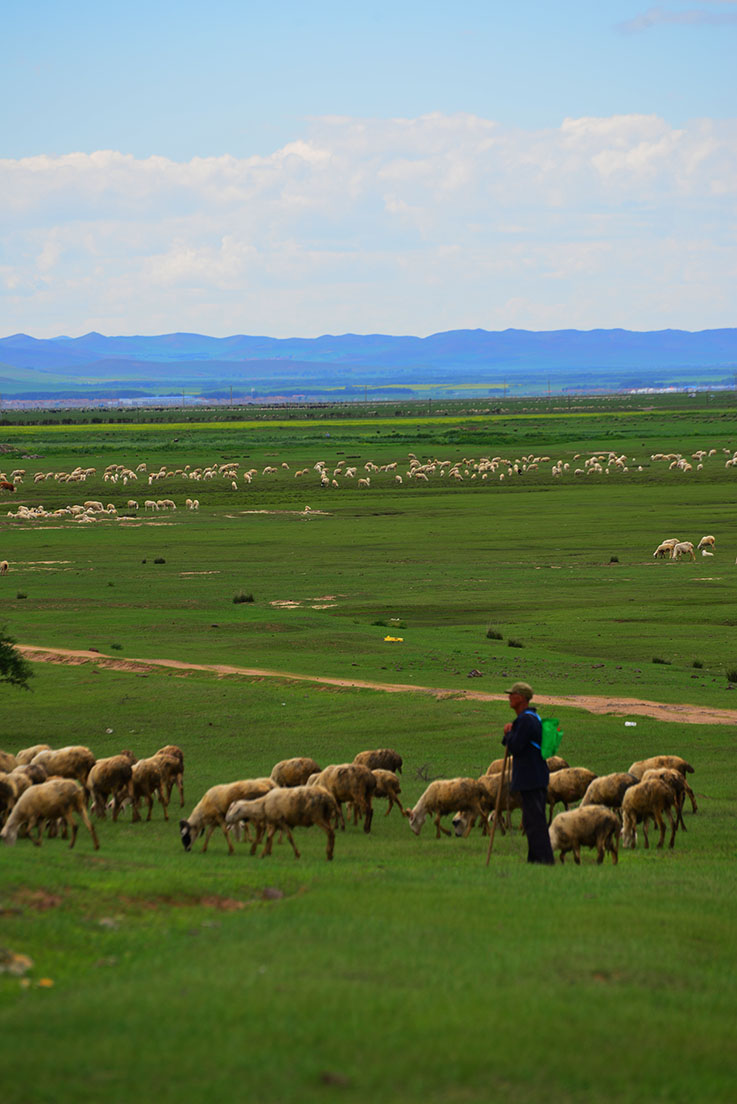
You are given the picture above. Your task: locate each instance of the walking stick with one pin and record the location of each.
(498, 803)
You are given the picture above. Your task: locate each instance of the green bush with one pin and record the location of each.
(241, 596)
(494, 634)
(731, 674)
(159, 559)
(659, 659)
(514, 643)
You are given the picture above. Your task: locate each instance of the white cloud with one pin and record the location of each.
(686, 17)
(402, 225)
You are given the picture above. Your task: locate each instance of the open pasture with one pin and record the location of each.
(405, 969)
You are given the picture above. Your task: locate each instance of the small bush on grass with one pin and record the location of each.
(659, 659)
(731, 674)
(614, 559)
(697, 663)
(514, 643)
(117, 647)
(241, 596)
(21, 594)
(159, 559)
(494, 634)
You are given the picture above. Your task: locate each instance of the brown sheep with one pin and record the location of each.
(147, 778)
(447, 795)
(8, 762)
(677, 783)
(52, 800)
(463, 822)
(380, 759)
(387, 785)
(209, 812)
(348, 782)
(609, 789)
(588, 826)
(26, 755)
(111, 777)
(173, 777)
(294, 772)
(647, 800)
(568, 785)
(287, 807)
(673, 762)
(74, 761)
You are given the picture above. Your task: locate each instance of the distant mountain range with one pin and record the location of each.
(455, 363)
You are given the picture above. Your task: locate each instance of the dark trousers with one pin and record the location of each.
(534, 808)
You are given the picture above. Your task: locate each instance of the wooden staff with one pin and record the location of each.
(498, 803)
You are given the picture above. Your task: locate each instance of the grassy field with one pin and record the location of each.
(405, 970)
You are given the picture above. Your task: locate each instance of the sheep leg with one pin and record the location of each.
(290, 837)
(577, 853)
(331, 839)
(673, 827)
(226, 833)
(269, 838)
(150, 799)
(370, 817)
(613, 847)
(679, 811)
(689, 791)
(259, 836)
(439, 827)
(208, 832)
(180, 787)
(74, 826)
(164, 801)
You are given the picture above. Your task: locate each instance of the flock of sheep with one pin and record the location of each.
(44, 789)
(675, 549)
(407, 471)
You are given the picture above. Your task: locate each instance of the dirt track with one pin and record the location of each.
(688, 714)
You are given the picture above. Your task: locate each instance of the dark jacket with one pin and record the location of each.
(529, 770)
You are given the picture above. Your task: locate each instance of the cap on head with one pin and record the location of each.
(522, 688)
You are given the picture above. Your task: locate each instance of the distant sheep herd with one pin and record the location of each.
(45, 790)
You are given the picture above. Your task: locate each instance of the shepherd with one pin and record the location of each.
(530, 774)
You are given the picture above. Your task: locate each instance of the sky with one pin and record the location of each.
(295, 169)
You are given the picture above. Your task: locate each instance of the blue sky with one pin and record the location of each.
(302, 168)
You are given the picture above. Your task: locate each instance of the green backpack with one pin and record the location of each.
(552, 733)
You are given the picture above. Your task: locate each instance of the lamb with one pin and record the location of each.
(57, 798)
(647, 799)
(710, 541)
(294, 772)
(287, 807)
(380, 759)
(673, 762)
(609, 789)
(74, 761)
(111, 777)
(26, 755)
(173, 770)
(665, 548)
(568, 785)
(387, 785)
(209, 812)
(348, 782)
(447, 795)
(588, 826)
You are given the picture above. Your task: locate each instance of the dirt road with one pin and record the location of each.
(661, 711)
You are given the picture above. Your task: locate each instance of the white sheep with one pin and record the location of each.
(609, 789)
(567, 786)
(589, 826)
(294, 772)
(710, 541)
(74, 761)
(286, 808)
(49, 801)
(683, 548)
(348, 782)
(444, 796)
(209, 812)
(665, 548)
(4, 567)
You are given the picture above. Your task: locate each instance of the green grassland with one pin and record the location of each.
(405, 969)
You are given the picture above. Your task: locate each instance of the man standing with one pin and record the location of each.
(530, 773)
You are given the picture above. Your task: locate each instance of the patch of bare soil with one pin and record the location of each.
(661, 711)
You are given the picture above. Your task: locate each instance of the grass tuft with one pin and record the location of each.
(241, 596)
(659, 659)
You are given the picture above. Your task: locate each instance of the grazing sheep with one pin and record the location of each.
(287, 807)
(665, 548)
(380, 759)
(351, 782)
(387, 785)
(294, 772)
(683, 548)
(209, 812)
(647, 800)
(74, 761)
(4, 567)
(8, 762)
(27, 755)
(568, 785)
(589, 826)
(673, 762)
(52, 800)
(447, 795)
(710, 541)
(677, 783)
(463, 822)
(111, 777)
(146, 780)
(173, 772)
(609, 789)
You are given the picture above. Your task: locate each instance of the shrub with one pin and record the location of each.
(731, 674)
(21, 594)
(117, 647)
(697, 663)
(241, 596)
(159, 559)
(494, 634)
(614, 559)
(514, 643)
(658, 659)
